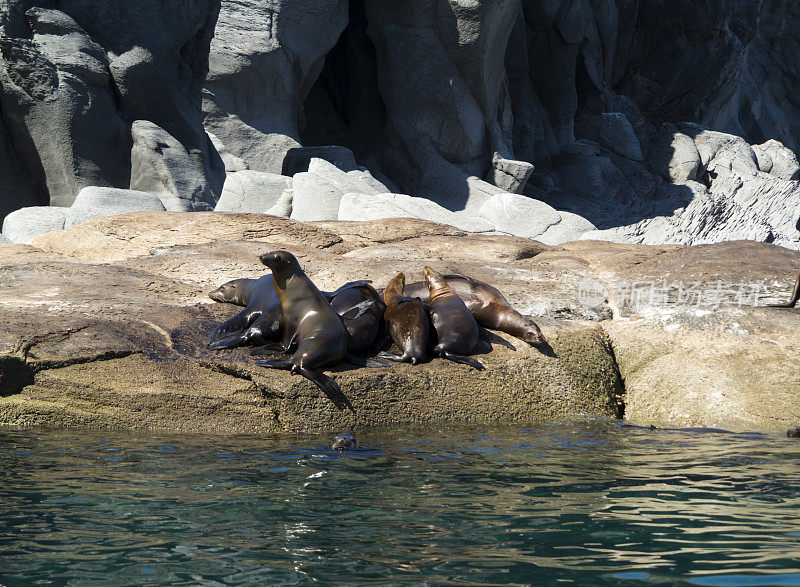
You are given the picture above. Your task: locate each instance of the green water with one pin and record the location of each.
(589, 502)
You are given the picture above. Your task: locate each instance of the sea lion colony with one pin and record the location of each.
(285, 314)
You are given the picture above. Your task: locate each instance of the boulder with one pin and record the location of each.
(571, 227)
(721, 153)
(283, 206)
(252, 191)
(22, 225)
(264, 58)
(161, 165)
(4, 240)
(519, 215)
(299, 159)
(378, 206)
(509, 175)
(318, 192)
(674, 156)
(94, 202)
(777, 160)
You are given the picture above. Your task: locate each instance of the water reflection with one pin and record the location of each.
(589, 502)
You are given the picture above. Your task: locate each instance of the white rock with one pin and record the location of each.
(674, 156)
(571, 227)
(318, 192)
(22, 225)
(94, 202)
(4, 240)
(777, 160)
(519, 215)
(283, 207)
(252, 191)
(378, 206)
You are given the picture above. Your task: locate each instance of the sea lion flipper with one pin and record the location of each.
(391, 357)
(493, 338)
(363, 361)
(328, 386)
(284, 364)
(784, 305)
(461, 359)
(345, 287)
(270, 348)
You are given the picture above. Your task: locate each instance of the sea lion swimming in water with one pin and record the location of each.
(489, 307)
(408, 321)
(795, 296)
(310, 325)
(456, 329)
(344, 441)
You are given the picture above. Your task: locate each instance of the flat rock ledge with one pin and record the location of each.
(104, 325)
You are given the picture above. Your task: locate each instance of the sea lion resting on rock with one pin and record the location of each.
(262, 319)
(361, 309)
(456, 330)
(408, 321)
(489, 307)
(795, 296)
(311, 327)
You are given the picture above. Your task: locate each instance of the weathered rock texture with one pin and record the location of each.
(116, 316)
(74, 75)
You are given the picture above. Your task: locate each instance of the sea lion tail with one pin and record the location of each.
(328, 386)
(463, 360)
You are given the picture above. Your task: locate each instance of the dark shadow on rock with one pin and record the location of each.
(15, 374)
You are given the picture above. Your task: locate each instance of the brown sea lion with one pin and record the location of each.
(456, 330)
(408, 322)
(795, 296)
(310, 325)
(489, 307)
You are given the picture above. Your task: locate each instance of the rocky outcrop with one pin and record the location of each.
(74, 75)
(116, 318)
(265, 56)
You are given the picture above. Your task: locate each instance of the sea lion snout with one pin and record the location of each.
(344, 441)
(276, 257)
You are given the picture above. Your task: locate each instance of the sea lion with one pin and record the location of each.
(408, 322)
(345, 441)
(795, 296)
(456, 329)
(262, 320)
(793, 432)
(361, 309)
(489, 307)
(259, 322)
(310, 325)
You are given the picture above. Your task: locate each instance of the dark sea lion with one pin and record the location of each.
(408, 321)
(345, 441)
(310, 325)
(456, 329)
(262, 320)
(259, 322)
(793, 432)
(795, 296)
(489, 307)
(361, 309)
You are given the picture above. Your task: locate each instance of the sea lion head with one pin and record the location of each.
(394, 288)
(437, 286)
(344, 441)
(282, 263)
(231, 292)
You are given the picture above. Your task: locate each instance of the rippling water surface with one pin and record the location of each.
(590, 502)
